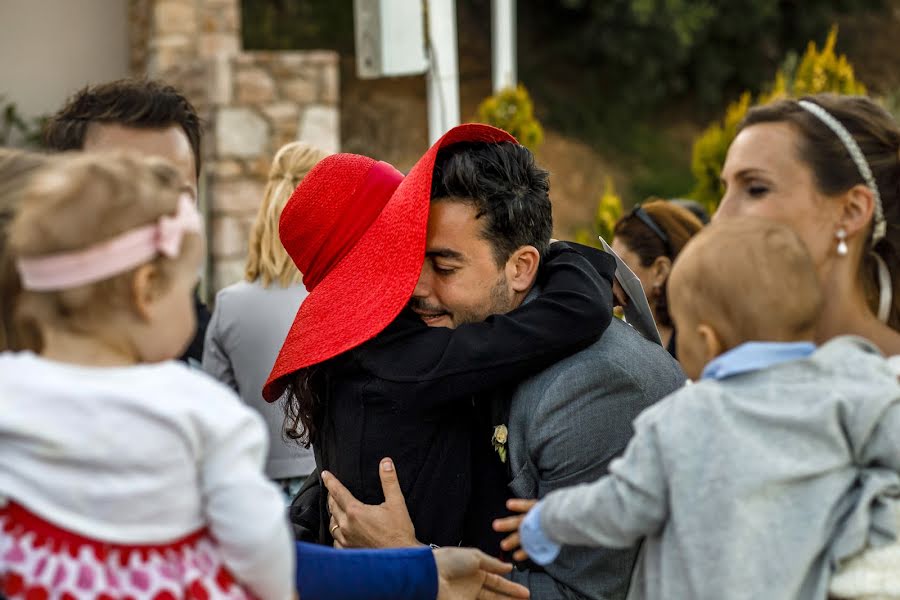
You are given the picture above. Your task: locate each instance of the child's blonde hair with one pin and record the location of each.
(84, 200)
(16, 168)
(267, 259)
(749, 279)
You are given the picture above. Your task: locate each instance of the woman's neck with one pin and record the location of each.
(855, 320)
(665, 331)
(90, 351)
(846, 312)
(665, 334)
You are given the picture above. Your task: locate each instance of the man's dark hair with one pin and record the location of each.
(138, 103)
(506, 188)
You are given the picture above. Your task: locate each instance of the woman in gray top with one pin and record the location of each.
(252, 317)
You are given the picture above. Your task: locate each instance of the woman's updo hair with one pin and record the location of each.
(678, 223)
(878, 136)
(82, 200)
(267, 260)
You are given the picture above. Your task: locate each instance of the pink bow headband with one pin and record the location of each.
(117, 255)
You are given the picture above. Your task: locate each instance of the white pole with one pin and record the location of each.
(442, 79)
(503, 43)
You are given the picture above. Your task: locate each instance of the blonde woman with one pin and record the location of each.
(252, 317)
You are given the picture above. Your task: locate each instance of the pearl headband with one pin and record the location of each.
(862, 165)
(885, 287)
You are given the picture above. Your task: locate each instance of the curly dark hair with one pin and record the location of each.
(507, 189)
(302, 406)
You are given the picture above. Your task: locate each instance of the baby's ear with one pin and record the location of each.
(145, 287)
(712, 342)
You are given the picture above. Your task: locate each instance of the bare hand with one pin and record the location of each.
(357, 525)
(511, 525)
(467, 574)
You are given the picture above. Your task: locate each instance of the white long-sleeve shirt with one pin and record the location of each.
(143, 455)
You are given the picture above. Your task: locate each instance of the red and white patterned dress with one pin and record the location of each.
(143, 482)
(39, 561)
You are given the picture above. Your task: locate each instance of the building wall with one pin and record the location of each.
(252, 102)
(51, 48)
(268, 99)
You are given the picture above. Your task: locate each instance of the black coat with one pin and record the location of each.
(194, 352)
(410, 394)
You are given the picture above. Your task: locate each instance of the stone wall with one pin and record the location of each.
(252, 102)
(272, 98)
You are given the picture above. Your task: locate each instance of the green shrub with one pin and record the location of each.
(708, 153)
(609, 211)
(15, 128)
(825, 71)
(511, 109)
(648, 55)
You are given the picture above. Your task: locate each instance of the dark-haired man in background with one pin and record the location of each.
(141, 116)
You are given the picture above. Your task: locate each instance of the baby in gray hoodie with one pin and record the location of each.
(778, 463)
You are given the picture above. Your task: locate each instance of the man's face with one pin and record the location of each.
(170, 143)
(460, 280)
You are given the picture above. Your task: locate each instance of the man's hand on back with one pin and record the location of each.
(357, 525)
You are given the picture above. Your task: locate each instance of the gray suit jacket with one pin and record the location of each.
(246, 332)
(566, 425)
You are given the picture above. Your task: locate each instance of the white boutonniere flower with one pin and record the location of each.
(501, 433)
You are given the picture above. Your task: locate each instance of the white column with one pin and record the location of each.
(442, 79)
(503, 43)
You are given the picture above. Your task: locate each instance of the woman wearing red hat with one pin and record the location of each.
(369, 379)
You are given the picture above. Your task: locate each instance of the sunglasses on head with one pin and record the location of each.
(647, 220)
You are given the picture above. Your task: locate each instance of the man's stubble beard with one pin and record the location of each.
(501, 302)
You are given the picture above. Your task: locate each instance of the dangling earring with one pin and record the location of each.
(841, 235)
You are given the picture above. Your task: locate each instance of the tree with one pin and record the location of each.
(647, 54)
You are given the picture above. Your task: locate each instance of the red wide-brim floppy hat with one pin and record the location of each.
(355, 228)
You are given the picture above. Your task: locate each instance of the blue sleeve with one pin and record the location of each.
(326, 573)
(540, 548)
